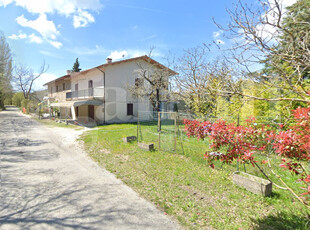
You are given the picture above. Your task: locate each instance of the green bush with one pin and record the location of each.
(8, 101)
(24, 103)
(17, 99)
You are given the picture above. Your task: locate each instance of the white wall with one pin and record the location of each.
(118, 78)
(61, 94)
(82, 79)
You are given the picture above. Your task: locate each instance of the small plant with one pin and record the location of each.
(242, 142)
(294, 144)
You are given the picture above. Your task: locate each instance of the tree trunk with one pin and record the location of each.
(157, 100)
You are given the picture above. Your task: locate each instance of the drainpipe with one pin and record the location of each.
(103, 79)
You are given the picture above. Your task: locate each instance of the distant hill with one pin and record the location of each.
(39, 95)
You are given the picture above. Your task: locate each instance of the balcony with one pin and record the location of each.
(85, 94)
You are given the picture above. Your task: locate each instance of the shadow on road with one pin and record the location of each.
(46, 184)
(41, 209)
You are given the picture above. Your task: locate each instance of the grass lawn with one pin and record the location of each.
(182, 185)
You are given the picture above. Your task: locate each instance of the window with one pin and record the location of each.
(63, 86)
(130, 109)
(56, 88)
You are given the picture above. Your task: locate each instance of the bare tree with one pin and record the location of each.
(152, 81)
(24, 77)
(197, 79)
(267, 35)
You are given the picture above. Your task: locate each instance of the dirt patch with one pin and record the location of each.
(105, 151)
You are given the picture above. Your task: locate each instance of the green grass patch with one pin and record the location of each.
(53, 123)
(181, 184)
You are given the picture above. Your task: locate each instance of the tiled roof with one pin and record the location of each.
(103, 66)
(58, 79)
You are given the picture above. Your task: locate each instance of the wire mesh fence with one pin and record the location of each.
(166, 130)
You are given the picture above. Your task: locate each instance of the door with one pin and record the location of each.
(76, 112)
(91, 111)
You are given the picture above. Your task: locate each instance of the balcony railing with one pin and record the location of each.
(86, 93)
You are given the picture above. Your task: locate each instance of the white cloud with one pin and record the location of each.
(35, 39)
(42, 25)
(216, 34)
(65, 7)
(286, 3)
(32, 37)
(217, 37)
(5, 2)
(116, 55)
(135, 27)
(56, 44)
(130, 53)
(82, 19)
(267, 31)
(78, 9)
(18, 37)
(101, 52)
(45, 77)
(220, 42)
(137, 53)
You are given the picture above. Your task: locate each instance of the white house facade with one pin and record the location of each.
(100, 95)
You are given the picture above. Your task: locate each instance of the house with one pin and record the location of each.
(101, 94)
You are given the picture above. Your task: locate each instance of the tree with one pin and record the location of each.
(296, 39)
(152, 81)
(198, 77)
(268, 34)
(5, 70)
(192, 80)
(17, 99)
(76, 66)
(24, 77)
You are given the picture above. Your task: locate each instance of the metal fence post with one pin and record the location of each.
(66, 115)
(175, 132)
(159, 130)
(138, 123)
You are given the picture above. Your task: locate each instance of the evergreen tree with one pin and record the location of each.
(76, 66)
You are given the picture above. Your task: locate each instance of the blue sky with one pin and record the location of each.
(58, 31)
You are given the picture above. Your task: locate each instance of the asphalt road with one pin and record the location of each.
(47, 182)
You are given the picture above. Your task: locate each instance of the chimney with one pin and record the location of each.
(109, 60)
(68, 72)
